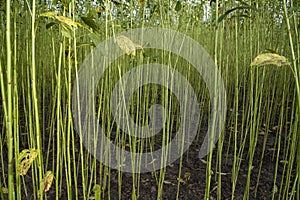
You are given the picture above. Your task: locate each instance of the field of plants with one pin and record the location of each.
(161, 99)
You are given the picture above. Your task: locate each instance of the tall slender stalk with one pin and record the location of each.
(296, 72)
(9, 116)
(35, 100)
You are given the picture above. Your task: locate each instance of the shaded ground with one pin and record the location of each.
(194, 186)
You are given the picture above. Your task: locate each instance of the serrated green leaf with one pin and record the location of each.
(270, 59)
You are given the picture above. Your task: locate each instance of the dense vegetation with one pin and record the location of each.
(254, 43)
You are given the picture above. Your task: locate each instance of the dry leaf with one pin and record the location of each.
(47, 181)
(270, 59)
(25, 159)
(187, 176)
(142, 3)
(180, 180)
(127, 45)
(4, 190)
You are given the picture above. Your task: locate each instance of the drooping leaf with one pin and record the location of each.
(236, 8)
(90, 23)
(127, 45)
(25, 159)
(47, 181)
(66, 31)
(142, 3)
(67, 21)
(270, 59)
(48, 14)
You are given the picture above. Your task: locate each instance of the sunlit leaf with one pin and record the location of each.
(67, 21)
(98, 9)
(270, 59)
(25, 159)
(48, 14)
(142, 3)
(47, 181)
